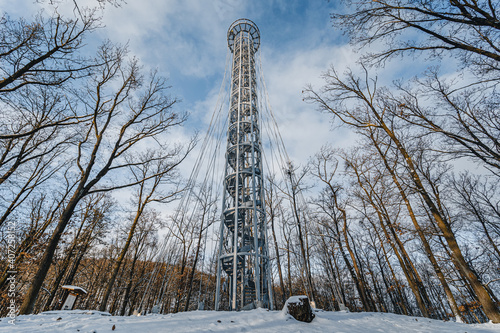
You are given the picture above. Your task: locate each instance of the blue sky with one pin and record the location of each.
(186, 41)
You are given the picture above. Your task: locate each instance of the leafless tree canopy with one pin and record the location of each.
(469, 30)
(405, 220)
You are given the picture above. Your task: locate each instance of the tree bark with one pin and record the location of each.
(427, 248)
(459, 261)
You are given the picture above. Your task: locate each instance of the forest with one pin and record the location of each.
(406, 220)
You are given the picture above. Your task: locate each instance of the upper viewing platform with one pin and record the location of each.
(243, 26)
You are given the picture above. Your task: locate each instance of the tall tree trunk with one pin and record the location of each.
(63, 269)
(375, 115)
(195, 262)
(181, 284)
(363, 275)
(427, 248)
(302, 243)
(339, 283)
(121, 257)
(37, 281)
(28, 242)
(276, 249)
(403, 262)
(83, 248)
(334, 285)
(288, 261)
(356, 273)
(397, 307)
(378, 293)
(489, 307)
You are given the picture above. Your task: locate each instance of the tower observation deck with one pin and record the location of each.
(243, 270)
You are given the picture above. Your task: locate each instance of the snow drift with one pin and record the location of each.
(258, 320)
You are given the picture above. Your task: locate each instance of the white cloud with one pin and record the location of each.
(184, 36)
(186, 40)
(304, 129)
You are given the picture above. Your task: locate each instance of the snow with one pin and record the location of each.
(75, 312)
(258, 320)
(295, 299)
(75, 288)
(291, 300)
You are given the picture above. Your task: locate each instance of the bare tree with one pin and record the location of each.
(295, 196)
(478, 199)
(466, 116)
(324, 167)
(463, 112)
(140, 243)
(469, 29)
(206, 217)
(182, 228)
(43, 210)
(93, 212)
(137, 112)
(152, 170)
(273, 202)
(44, 51)
(370, 108)
(40, 60)
(375, 193)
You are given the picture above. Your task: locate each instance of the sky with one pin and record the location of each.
(186, 41)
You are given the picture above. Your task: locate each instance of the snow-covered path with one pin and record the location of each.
(258, 320)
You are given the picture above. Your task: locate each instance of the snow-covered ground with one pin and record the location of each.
(258, 320)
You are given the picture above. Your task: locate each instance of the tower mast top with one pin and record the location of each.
(246, 27)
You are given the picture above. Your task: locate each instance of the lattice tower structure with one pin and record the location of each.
(243, 254)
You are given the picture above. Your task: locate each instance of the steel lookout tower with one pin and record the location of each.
(243, 269)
